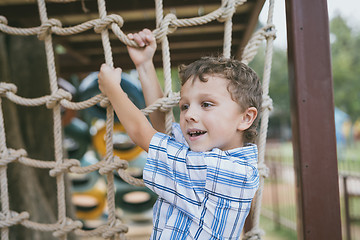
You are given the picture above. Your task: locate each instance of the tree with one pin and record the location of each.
(23, 62)
(346, 66)
(279, 122)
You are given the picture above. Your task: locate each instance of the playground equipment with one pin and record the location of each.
(89, 87)
(166, 25)
(313, 129)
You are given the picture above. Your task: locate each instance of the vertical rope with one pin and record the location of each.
(166, 64)
(5, 208)
(228, 31)
(264, 118)
(227, 38)
(56, 117)
(229, 6)
(109, 124)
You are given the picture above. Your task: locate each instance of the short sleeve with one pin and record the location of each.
(175, 173)
(177, 134)
(198, 181)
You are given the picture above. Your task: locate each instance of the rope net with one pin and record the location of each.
(167, 24)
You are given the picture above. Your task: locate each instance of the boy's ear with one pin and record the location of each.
(247, 118)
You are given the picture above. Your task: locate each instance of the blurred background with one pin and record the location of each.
(279, 201)
(84, 130)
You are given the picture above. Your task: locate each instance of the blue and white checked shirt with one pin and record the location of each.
(202, 195)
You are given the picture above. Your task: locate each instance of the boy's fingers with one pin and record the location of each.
(139, 40)
(103, 67)
(148, 35)
(130, 36)
(144, 37)
(146, 31)
(150, 38)
(118, 70)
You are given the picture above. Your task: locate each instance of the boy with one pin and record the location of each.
(205, 173)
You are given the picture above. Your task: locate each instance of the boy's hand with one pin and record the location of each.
(146, 40)
(109, 79)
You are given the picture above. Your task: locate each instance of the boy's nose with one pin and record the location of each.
(191, 115)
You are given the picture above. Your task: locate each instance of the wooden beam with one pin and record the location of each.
(56, 9)
(83, 59)
(313, 127)
(251, 25)
(195, 32)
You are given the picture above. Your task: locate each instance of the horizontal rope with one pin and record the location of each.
(168, 24)
(11, 155)
(68, 226)
(256, 40)
(63, 98)
(14, 219)
(113, 165)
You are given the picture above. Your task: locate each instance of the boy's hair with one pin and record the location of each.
(244, 85)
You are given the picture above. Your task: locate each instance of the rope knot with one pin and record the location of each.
(229, 8)
(3, 20)
(15, 219)
(11, 156)
(109, 167)
(267, 103)
(166, 26)
(117, 228)
(107, 21)
(263, 170)
(66, 227)
(269, 31)
(169, 102)
(46, 26)
(7, 87)
(65, 166)
(254, 234)
(105, 102)
(57, 96)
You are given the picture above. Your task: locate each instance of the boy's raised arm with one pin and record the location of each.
(135, 123)
(143, 60)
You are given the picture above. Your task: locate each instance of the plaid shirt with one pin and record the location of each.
(202, 195)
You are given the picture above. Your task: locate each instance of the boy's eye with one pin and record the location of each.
(184, 107)
(206, 104)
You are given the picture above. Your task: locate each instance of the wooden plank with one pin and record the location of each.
(313, 127)
(251, 25)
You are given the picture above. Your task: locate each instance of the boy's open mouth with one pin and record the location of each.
(196, 133)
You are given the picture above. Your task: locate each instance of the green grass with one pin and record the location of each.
(274, 232)
(348, 163)
(348, 156)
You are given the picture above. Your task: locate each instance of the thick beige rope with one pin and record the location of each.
(165, 25)
(109, 158)
(5, 209)
(256, 233)
(60, 182)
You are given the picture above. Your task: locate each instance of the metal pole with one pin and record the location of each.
(313, 126)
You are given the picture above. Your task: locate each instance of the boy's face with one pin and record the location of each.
(209, 118)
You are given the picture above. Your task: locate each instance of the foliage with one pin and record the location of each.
(278, 91)
(346, 72)
(345, 42)
(346, 66)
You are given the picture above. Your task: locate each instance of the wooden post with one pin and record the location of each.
(275, 192)
(347, 209)
(313, 126)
